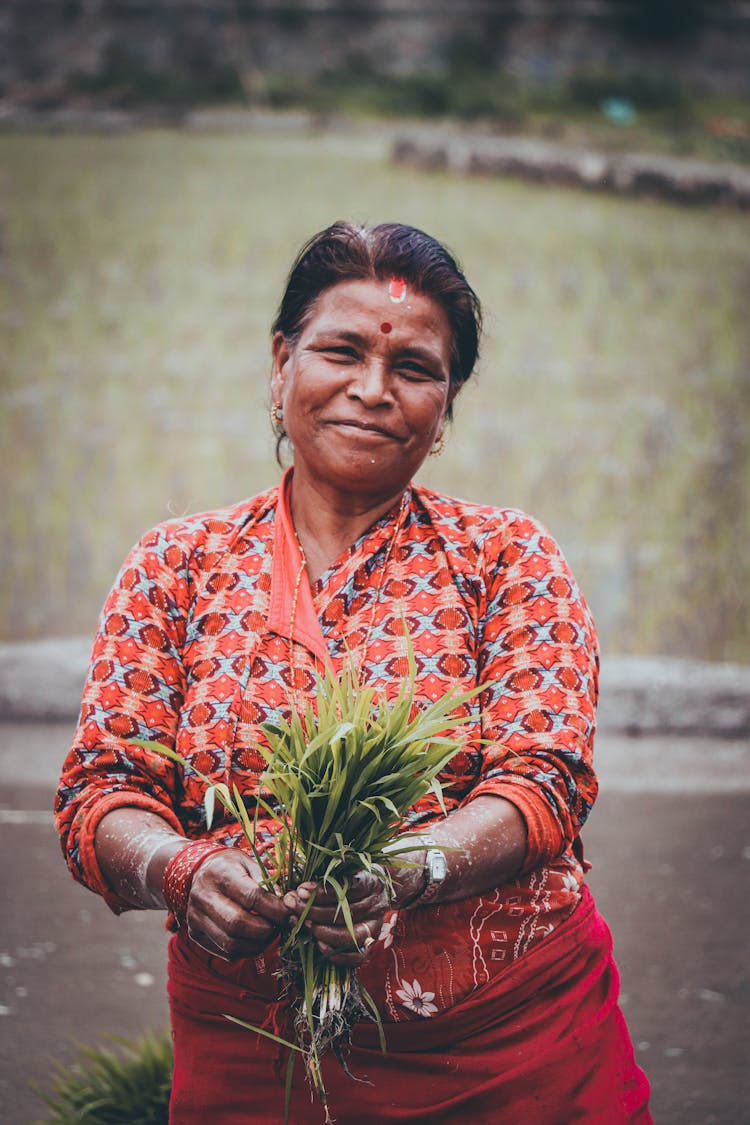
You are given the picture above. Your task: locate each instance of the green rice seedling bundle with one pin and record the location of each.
(340, 776)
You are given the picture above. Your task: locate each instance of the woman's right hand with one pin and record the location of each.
(229, 913)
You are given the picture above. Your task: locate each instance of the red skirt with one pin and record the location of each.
(543, 1043)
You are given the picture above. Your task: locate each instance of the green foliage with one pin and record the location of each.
(129, 1085)
(346, 772)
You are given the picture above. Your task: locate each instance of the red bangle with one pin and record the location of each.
(180, 872)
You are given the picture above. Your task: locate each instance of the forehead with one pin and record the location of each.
(368, 304)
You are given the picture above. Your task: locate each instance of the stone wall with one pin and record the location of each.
(46, 43)
(683, 181)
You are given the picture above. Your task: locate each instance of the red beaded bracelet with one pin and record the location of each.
(180, 872)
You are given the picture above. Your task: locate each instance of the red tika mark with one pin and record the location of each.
(397, 290)
(386, 327)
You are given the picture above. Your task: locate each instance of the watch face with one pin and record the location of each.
(438, 866)
(435, 871)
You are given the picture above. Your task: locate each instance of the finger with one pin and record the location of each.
(199, 937)
(267, 905)
(366, 894)
(215, 941)
(365, 884)
(231, 876)
(228, 924)
(339, 939)
(374, 906)
(363, 888)
(349, 958)
(298, 900)
(323, 897)
(232, 929)
(246, 889)
(346, 960)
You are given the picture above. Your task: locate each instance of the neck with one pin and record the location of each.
(327, 525)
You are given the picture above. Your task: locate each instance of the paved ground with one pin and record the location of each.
(670, 843)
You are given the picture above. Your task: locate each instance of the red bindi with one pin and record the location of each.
(386, 327)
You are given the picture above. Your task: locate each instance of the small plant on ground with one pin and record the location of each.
(126, 1084)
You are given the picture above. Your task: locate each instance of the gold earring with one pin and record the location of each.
(277, 419)
(439, 446)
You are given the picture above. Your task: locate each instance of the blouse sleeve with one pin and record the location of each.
(539, 660)
(134, 689)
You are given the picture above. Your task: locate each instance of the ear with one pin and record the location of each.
(281, 352)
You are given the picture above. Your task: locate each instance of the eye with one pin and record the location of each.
(340, 353)
(417, 372)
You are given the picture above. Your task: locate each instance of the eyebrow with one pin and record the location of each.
(347, 336)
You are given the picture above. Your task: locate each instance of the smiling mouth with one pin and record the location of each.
(364, 428)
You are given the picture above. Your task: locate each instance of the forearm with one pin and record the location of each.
(133, 846)
(484, 844)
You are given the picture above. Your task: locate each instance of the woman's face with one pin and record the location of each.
(366, 387)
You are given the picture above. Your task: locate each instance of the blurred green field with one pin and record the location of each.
(140, 273)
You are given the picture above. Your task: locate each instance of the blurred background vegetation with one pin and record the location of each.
(630, 111)
(141, 270)
(666, 75)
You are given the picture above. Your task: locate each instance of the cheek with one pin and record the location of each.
(305, 393)
(430, 412)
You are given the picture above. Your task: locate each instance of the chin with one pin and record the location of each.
(367, 473)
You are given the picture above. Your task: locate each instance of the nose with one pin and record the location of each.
(371, 384)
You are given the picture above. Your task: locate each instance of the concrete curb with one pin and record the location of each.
(654, 696)
(686, 181)
(41, 681)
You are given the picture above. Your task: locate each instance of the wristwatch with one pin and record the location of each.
(435, 872)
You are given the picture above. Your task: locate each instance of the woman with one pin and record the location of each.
(491, 967)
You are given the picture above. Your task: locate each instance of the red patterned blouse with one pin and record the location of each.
(194, 649)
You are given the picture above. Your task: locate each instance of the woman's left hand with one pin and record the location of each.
(368, 902)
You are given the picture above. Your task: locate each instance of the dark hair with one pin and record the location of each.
(347, 252)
